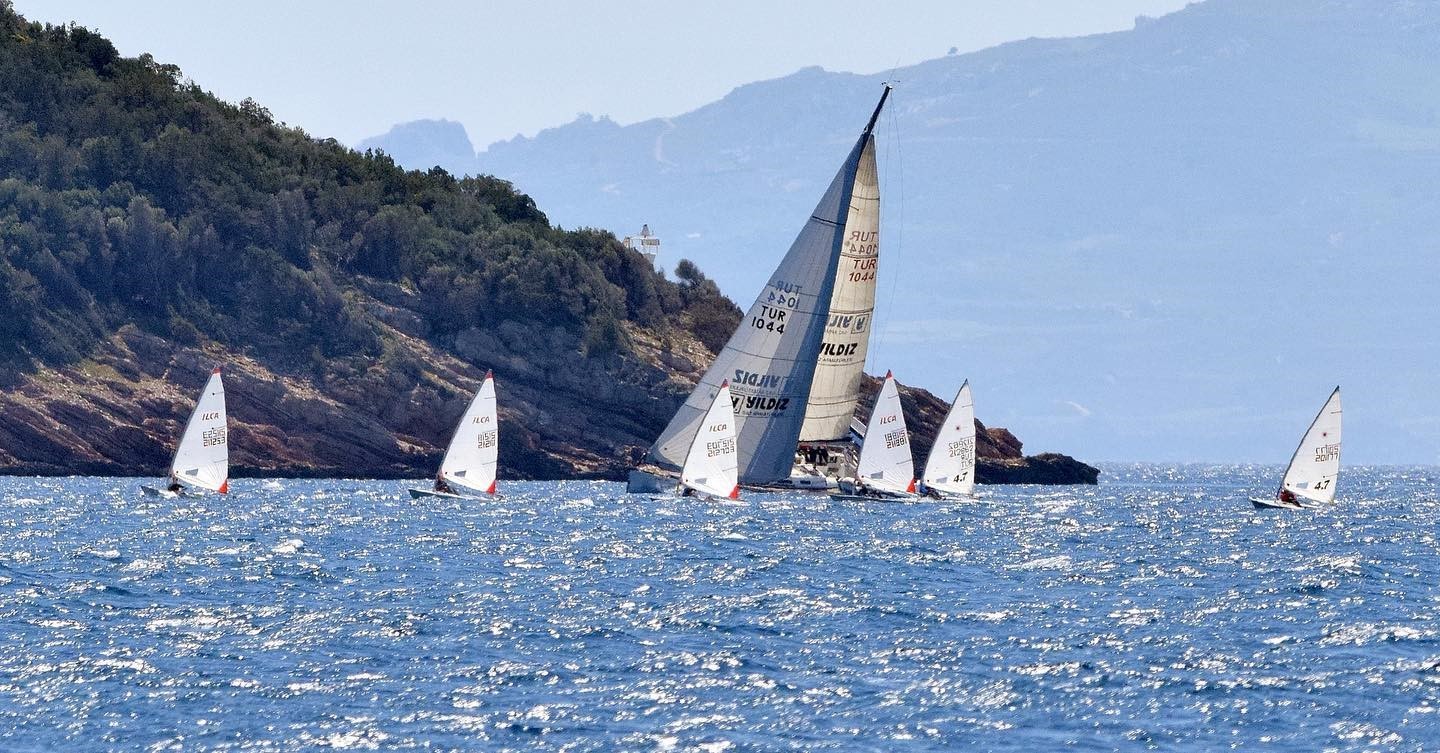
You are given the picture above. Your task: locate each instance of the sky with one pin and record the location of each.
(350, 70)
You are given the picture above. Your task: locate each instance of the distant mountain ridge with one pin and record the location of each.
(1162, 243)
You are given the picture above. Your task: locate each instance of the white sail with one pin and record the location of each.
(770, 360)
(712, 467)
(950, 468)
(202, 458)
(471, 460)
(885, 461)
(1316, 463)
(836, 388)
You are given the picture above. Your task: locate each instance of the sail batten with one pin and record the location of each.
(770, 361)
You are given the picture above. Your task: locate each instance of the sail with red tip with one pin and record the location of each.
(885, 461)
(472, 459)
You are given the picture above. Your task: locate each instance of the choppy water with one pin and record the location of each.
(1157, 611)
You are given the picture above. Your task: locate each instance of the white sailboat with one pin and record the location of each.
(1315, 465)
(712, 465)
(770, 361)
(886, 469)
(472, 459)
(202, 459)
(950, 467)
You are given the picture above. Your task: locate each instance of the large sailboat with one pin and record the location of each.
(770, 362)
(1314, 467)
(886, 469)
(202, 459)
(472, 459)
(950, 467)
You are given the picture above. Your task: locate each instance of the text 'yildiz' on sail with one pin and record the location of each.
(771, 360)
(472, 459)
(1314, 467)
(886, 469)
(950, 467)
(202, 459)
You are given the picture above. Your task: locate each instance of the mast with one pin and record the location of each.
(876, 115)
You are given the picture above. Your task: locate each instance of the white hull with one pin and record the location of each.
(150, 491)
(646, 482)
(1275, 504)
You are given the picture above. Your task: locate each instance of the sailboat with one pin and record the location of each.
(950, 467)
(711, 467)
(770, 361)
(886, 469)
(202, 459)
(1315, 466)
(470, 463)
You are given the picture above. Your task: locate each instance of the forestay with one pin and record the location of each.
(950, 468)
(473, 456)
(836, 388)
(1316, 464)
(770, 360)
(885, 461)
(202, 459)
(712, 467)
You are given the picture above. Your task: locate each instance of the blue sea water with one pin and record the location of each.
(1156, 611)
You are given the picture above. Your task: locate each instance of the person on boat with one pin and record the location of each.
(174, 487)
(1288, 497)
(687, 492)
(443, 487)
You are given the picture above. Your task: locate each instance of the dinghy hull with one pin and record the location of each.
(1275, 504)
(424, 493)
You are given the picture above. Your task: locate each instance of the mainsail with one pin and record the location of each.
(950, 468)
(471, 460)
(836, 388)
(770, 361)
(203, 457)
(885, 461)
(711, 467)
(1316, 463)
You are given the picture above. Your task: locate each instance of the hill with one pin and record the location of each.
(151, 231)
(1164, 243)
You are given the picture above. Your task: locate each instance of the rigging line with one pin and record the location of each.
(896, 168)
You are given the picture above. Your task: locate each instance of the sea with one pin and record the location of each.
(1156, 611)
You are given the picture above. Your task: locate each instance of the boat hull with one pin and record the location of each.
(648, 482)
(1275, 504)
(150, 491)
(425, 493)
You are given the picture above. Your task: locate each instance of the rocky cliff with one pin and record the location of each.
(150, 232)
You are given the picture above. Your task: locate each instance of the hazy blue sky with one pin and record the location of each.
(352, 69)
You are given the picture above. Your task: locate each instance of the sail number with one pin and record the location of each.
(213, 437)
(487, 439)
(724, 446)
(1323, 484)
(1325, 453)
(771, 319)
(962, 448)
(897, 438)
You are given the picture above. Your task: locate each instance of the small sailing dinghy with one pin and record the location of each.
(1314, 467)
(950, 468)
(202, 459)
(712, 467)
(886, 470)
(470, 463)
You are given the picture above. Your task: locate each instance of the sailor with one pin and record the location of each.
(441, 486)
(174, 487)
(1288, 497)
